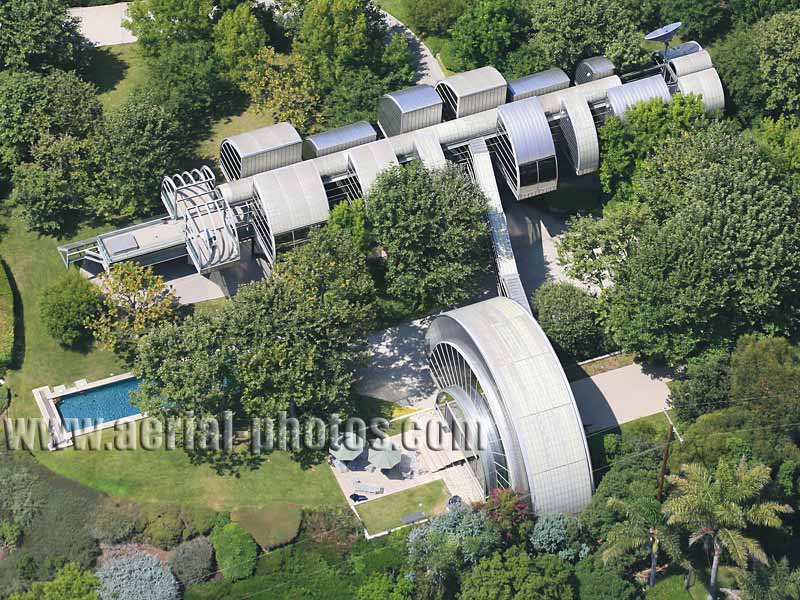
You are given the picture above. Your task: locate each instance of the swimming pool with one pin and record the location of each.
(97, 405)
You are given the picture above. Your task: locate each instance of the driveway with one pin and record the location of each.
(102, 25)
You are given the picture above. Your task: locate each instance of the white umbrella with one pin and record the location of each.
(384, 455)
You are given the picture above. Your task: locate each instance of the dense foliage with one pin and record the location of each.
(235, 550)
(192, 561)
(137, 575)
(67, 306)
(7, 318)
(432, 227)
(70, 583)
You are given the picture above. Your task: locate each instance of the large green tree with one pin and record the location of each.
(724, 259)
(779, 65)
(238, 38)
(718, 506)
(779, 140)
(435, 16)
(486, 33)
(432, 227)
(516, 574)
(737, 61)
(158, 24)
(39, 34)
(703, 20)
(70, 583)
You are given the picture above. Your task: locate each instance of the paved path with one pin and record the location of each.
(428, 68)
(102, 25)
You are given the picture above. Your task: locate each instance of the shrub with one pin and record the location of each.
(598, 582)
(271, 526)
(570, 318)
(199, 520)
(10, 534)
(67, 305)
(70, 583)
(140, 576)
(705, 387)
(115, 521)
(236, 551)
(550, 533)
(435, 16)
(164, 526)
(192, 561)
(6, 317)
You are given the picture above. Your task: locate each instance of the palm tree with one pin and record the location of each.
(645, 526)
(775, 581)
(718, 507)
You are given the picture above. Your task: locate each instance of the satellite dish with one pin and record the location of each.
(663, 34)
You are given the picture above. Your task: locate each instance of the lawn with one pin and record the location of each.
(208, 149)
(116, 71)
(671, 587)
(385, 513)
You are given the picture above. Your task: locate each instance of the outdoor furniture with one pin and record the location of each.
(368, 488)
(412, 518)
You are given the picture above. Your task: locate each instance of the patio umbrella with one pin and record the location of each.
(384, 454)
(348, 447)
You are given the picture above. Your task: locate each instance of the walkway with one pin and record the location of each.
(428, 68)
(102, 25)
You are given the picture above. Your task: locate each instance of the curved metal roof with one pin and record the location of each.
(474, 82)
(527, 129)
(414, 98)
(623, 97)
(592, 69)
(706, 84)
(341, 138)
(537, 84)
(369, 160)
(591, 91)
(429, 149)
(529, 397)
(691, 63)
(292, 197)
(580, 134)
(261, 140)
(679, 50)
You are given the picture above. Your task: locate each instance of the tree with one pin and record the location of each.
(779, 66)
(432, 226)
(703, 20)
(137, 575)
(486, 33)
(594, 250)
(51, 190)
(718, 506)
(137, 143)
(778, 140)
(286, 92)
(644, 526)
(158, 24)
(563, 32)
(750, 11)
(515, 574)
(39, 34)
(774, 581)
(570, 317)
(351, 219)
(238, 38)
(71, 583)
(723, 260)
(435, 17)
(72, 106)
(67, 305)
(625, 144)
(236, 551)
(136, 301)
(704, 388)
(340, 35)
(737, 59)
(765, 378)
(381, 586)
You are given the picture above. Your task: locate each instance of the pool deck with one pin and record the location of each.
(46, 401)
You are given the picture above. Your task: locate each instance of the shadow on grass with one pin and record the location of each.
(107, 69)
(18, 349)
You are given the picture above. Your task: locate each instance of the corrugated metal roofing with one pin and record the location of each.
(537, 84)
(706, 84)
(369, 160)
(414, 98)
(623, 97)
(293, 197)
(271, 137)
(691, 63)
(580, 134)
(535, 396)
(429, 150)
(528, 131)
(474, 91)
(591, 69)
(341, 138)
(591, 91)
(409, 109)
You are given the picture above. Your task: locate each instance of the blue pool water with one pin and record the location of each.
(98, 405)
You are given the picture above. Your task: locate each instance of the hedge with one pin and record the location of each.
(6, 317)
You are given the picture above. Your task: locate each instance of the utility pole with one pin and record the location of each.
(663, 472)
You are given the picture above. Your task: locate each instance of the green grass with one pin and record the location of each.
(34, 263)
(272, 525)
(385, 513)
(208, 149)
(117, 71)
(671, 587)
